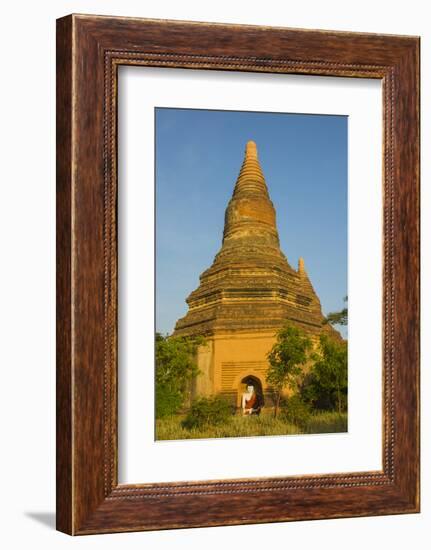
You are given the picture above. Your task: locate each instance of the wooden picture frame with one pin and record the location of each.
(89, 51)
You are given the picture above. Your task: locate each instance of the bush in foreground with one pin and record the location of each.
(168, 400)
(175, 371)
(208, 411)
(296, 411)
(325, 386)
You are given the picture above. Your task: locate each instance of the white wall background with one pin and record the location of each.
(27, 289)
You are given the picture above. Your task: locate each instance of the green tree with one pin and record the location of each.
(338, 317)
(175, 370)
(286, 359)
(327, 379)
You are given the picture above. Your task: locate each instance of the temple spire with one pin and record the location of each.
(251, 178)
(250, 215)
(251, 149)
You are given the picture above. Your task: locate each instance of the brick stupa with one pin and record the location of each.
(248, 293)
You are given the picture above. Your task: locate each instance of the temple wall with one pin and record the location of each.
(228, 358)
(204, 384)
(239, 355)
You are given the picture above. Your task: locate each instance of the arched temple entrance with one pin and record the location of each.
(250, 380)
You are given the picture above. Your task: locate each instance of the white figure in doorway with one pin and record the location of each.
(249, 401)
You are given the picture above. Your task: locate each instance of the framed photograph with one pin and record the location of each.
(237, 274)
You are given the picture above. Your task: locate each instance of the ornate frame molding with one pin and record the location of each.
(90, 49)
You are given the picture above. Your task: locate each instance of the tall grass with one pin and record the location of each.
(326, 422)
(250, 426)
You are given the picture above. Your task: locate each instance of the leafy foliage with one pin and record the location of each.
(286, 358)
(325, 386)
(208, 411)
(168, 400)
(338, 317)
(296, 411)
(175, 370)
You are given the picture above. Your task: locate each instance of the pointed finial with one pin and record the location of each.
(251, 178)
(301, 266)
(251, 149)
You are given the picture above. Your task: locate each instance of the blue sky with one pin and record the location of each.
(198, 157)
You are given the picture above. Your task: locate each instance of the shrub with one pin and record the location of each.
(208, 411)
(168, 401)
(296, 411)
(175, 371)
(327, 384)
